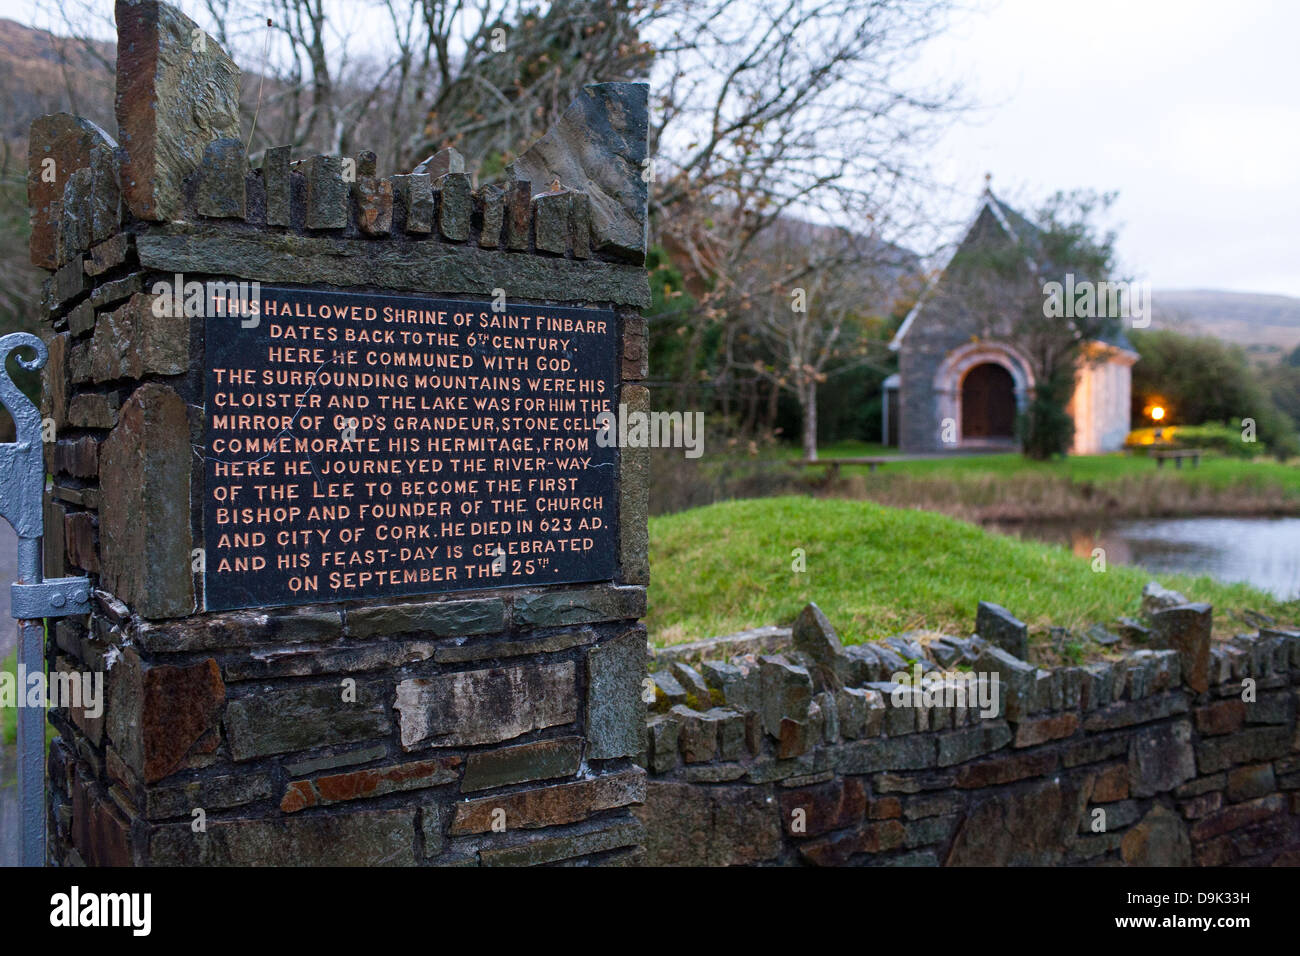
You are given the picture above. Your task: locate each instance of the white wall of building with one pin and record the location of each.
(1101, 405)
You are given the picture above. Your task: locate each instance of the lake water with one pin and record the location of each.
(1264, 552)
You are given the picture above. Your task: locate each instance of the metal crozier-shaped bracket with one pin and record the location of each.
(22, 492)
(22, 465)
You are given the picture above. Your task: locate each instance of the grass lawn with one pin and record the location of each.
(1213, 471)
(877, 571)
(9, 715)
(997, 487)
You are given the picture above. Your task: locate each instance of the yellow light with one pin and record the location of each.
(1157, 413)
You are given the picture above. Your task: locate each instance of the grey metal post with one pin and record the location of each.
(31, 751)
(22, 489)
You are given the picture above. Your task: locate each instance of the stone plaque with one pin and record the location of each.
(362, 445)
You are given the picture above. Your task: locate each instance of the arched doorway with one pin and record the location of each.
(988, 402)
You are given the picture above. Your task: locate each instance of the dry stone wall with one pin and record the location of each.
(781, 747)
(480, 727)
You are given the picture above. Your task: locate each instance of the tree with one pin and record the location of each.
(1283, 384)
(1199, 379)
(768, 113)
(513, 70)
(760, 114)
(402, 77)
(827, 292)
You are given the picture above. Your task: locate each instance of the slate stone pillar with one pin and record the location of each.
(488, 726)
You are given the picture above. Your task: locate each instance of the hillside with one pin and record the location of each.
(1265, 325)
(41, 73)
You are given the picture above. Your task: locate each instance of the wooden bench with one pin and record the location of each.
(1177, 455)
(833, 465)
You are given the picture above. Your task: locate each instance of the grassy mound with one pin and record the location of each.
(877, 571)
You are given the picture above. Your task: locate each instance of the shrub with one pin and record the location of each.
(1212, 436)
(1203, 380)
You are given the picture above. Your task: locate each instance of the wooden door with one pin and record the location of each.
(988, 402)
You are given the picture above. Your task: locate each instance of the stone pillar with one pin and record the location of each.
(467, 725)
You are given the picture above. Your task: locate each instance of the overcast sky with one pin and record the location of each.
(1190, 110)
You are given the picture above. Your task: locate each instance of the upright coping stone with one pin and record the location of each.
(177, 91)
(600, 147)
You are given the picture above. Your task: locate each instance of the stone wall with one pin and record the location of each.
(482, 727)
(781, 747)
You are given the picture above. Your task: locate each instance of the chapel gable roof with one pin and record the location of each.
(993, 214)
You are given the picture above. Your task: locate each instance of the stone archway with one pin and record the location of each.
(994, 418)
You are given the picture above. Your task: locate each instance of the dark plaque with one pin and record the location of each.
(363, 445)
